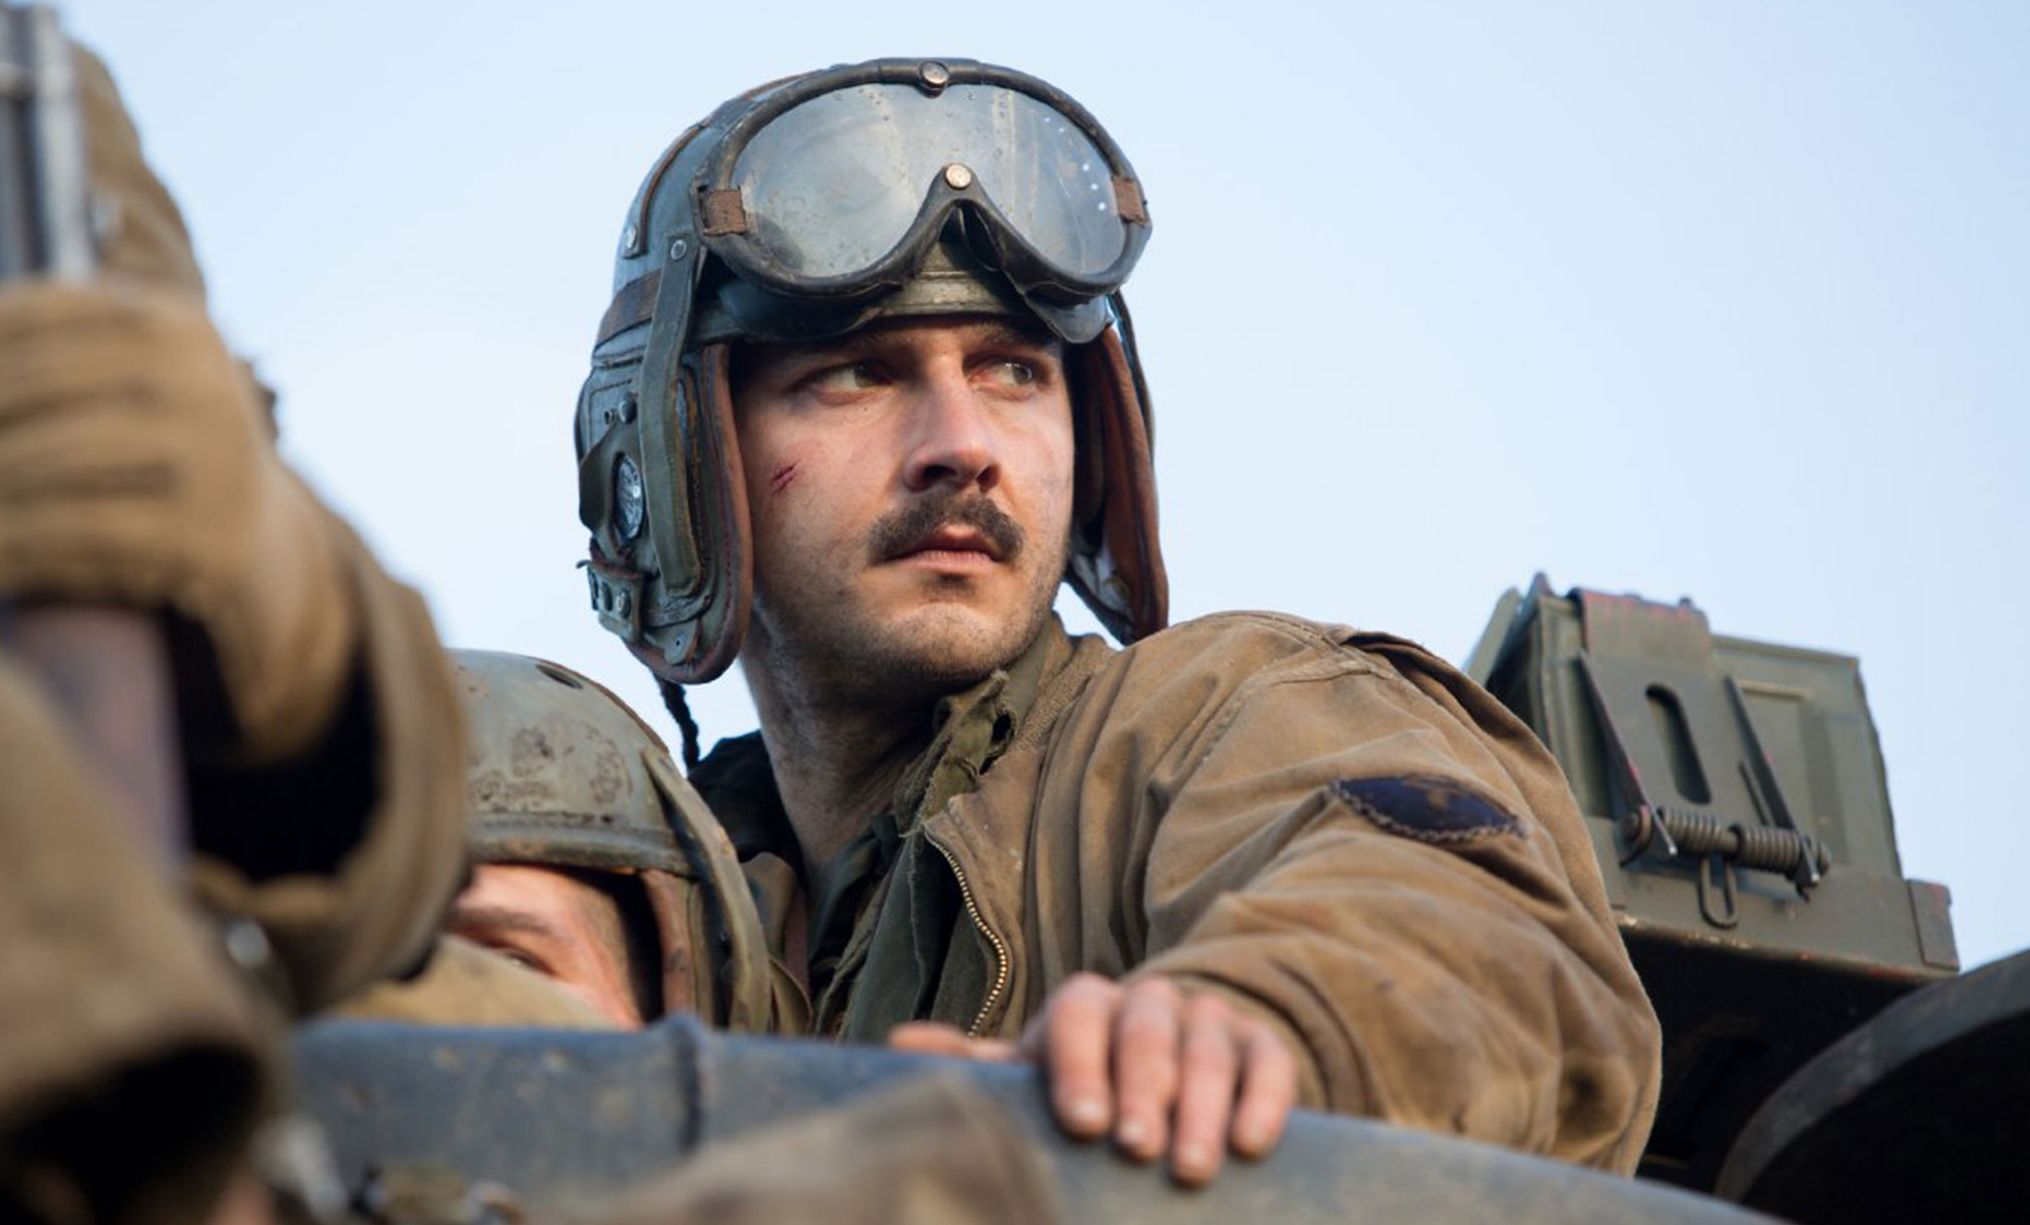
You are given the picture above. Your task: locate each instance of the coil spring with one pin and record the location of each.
(1751, 846)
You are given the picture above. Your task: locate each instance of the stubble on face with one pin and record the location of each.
(940, 645)
(846, 611)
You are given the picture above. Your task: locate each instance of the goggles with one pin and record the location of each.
(835, 186)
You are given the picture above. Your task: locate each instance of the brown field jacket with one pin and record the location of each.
(135, 1060)
(1333, 829)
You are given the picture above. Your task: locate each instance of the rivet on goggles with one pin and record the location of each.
(835, 186)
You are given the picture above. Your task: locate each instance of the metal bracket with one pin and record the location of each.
(616, 597)
(1727, 912)
(1690, 835)
(1697, 782)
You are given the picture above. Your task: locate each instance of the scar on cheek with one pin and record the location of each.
(782, 478)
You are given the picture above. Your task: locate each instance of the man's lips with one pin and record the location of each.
(952, 539)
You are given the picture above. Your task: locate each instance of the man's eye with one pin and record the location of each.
(1012, 373)
(858, 376)
(520, 957)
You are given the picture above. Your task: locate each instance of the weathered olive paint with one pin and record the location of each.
(1658, 722)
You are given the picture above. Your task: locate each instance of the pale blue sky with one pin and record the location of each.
(1721, 300)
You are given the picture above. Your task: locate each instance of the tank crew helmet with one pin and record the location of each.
(561, 774)
(809, 208)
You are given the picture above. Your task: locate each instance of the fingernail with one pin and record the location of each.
(1191, 1158)
(1088, 1112)
(1251, 1139)
(1132, 1134)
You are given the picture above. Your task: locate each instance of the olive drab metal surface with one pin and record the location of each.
(1915, 1116)
(507, 1121)
(1735, 795)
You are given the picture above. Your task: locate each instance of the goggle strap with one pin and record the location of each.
(723, 212)
(631, 307)
(1129, 203)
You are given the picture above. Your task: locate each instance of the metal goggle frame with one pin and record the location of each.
(833, 186)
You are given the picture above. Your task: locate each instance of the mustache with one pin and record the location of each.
(904, 528)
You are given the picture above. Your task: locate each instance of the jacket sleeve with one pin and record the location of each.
(348, 853)
(1363, 847)
(120, 1021)
(118, 1000)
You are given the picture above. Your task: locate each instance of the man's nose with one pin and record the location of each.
(952, 436)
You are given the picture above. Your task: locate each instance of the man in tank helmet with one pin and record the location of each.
(142, 1061)
(595, 867)
(596, 864)
(866, 392)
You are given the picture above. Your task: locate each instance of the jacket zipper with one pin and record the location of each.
(1001, 958)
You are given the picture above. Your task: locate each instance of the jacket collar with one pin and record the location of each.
(969, 732)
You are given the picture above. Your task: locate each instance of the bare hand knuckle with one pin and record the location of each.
(1086, 984)
(1156, 992)
(1148, 1026)
(1209, 1010)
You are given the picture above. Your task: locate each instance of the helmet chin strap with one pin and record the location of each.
(679, 707)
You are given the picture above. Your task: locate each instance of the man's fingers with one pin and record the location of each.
(1078, 1027)
(927, 1038)
(1145, 1066)
(1165, 1072)
(1209, 1062)
(1268, 1092)
(937, 1038)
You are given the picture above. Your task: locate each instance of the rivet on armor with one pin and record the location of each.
(959, 176)
(933, 76)
(679, 249)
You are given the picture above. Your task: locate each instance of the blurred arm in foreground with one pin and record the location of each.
(138, 471)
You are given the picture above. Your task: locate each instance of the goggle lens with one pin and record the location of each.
(832, 186)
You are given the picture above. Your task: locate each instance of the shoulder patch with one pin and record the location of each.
(1427, 808)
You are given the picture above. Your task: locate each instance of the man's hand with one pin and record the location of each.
(1162, 1069)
